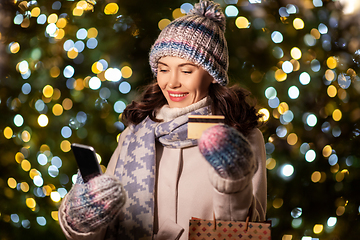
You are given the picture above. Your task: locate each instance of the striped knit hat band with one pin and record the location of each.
(197, 37)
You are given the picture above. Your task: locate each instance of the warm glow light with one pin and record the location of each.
(177, 13)
(54, 72)
(54, 215)
(265, 113)
(292, 139)
(163, 23)
(337, 115)
(329, 75)
(315, 177)
(48, 91)
(35, 12)
(280, 75)
(14, 47)
(72, 53)
(242, 22)
(61, 23)
(26, 165)
(331, 91)
(43, 120)
(278, 202)
(52, 18)
(283, 107)
(92, 33)
(11, 182)
(295, 53)
(57, 109)
(315, 33)
(331, 62)
(30, 203)
(318, 228)
(270, 163)
(126, 71)
(67, 103)
(65, 146)
(298, 23)
(111, 8)
(327, 150)
(8, 133)
(25, 136)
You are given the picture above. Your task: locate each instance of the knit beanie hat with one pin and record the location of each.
(197, 37)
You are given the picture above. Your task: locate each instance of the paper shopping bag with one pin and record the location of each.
(200, 229)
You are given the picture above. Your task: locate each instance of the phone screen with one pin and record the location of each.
(86, 160)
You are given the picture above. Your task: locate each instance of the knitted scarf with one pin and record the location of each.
(136, 170)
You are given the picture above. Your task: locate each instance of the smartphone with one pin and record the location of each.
(87, 161)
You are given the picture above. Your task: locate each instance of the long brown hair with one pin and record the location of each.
(232, 102)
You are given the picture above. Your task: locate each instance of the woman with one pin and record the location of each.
(166, 177)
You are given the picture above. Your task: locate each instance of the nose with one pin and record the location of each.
(174, 80)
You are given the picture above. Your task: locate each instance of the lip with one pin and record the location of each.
(177, 96)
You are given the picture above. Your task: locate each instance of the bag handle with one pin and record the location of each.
(246, 221)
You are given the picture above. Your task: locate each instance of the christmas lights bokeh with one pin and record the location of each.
(69, 68)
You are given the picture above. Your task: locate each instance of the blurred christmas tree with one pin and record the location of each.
(68, 68)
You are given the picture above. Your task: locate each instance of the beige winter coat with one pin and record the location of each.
(187, 186)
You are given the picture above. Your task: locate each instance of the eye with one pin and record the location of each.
(187, 71)
(163, 70)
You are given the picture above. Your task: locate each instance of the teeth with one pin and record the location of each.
(177, 95)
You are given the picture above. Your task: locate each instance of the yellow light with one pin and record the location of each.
(287, 237)
(25, 23)
(97, 67)
(177, 13)
(337, 115)
(342, 93)
(331, 62)
(54, 72)
(78, 11)
(35, 12)
(61, 23)
(33, 172)
(55, 196)
(265, 113)
(331, 91)
(292, 139)
(278, 202)
(339, 176)
(57, 109)
(296, 64)
(79, 84)
(54, 215)
(30, 203)
(126, 72)
(256, 76)
(43, 120)
(8, 132)
(111, 8)
(92, 33)
(316, 176)
(65, 146)
(44, 148)
(242, 22)
(19, 157)
(280, 75)
(163, 23)
(340, 210)
(25, 136)
(329, 75)
(11, 182)
(315, 33)
(295, 53)
(14, 47)
(59, 34)
(52, 18)
(26, 165)
(24, 186)
(57, 94)
(82, 4)
(270, 163)
(118, 137)
(327, 150)
(67, 103)
(298, 23)
(323, 177)
(48, 91)
(283, 107)
(72, 53)
(335, 168)
(318, 228)
(47, 190)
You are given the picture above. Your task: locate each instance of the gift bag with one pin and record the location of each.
(200, 229)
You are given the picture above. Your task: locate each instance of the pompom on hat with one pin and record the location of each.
(197, 37)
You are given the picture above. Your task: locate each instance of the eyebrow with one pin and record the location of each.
(180, 65)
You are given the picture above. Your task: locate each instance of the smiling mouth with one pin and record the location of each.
(176, 95)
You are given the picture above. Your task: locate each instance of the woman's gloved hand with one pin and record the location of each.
(228, 151)
(94, 204)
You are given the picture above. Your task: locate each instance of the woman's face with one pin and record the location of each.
(182, 82)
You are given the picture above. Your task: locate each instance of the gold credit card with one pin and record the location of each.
(197, 124)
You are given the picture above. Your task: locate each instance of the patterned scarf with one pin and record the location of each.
(136, 170)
